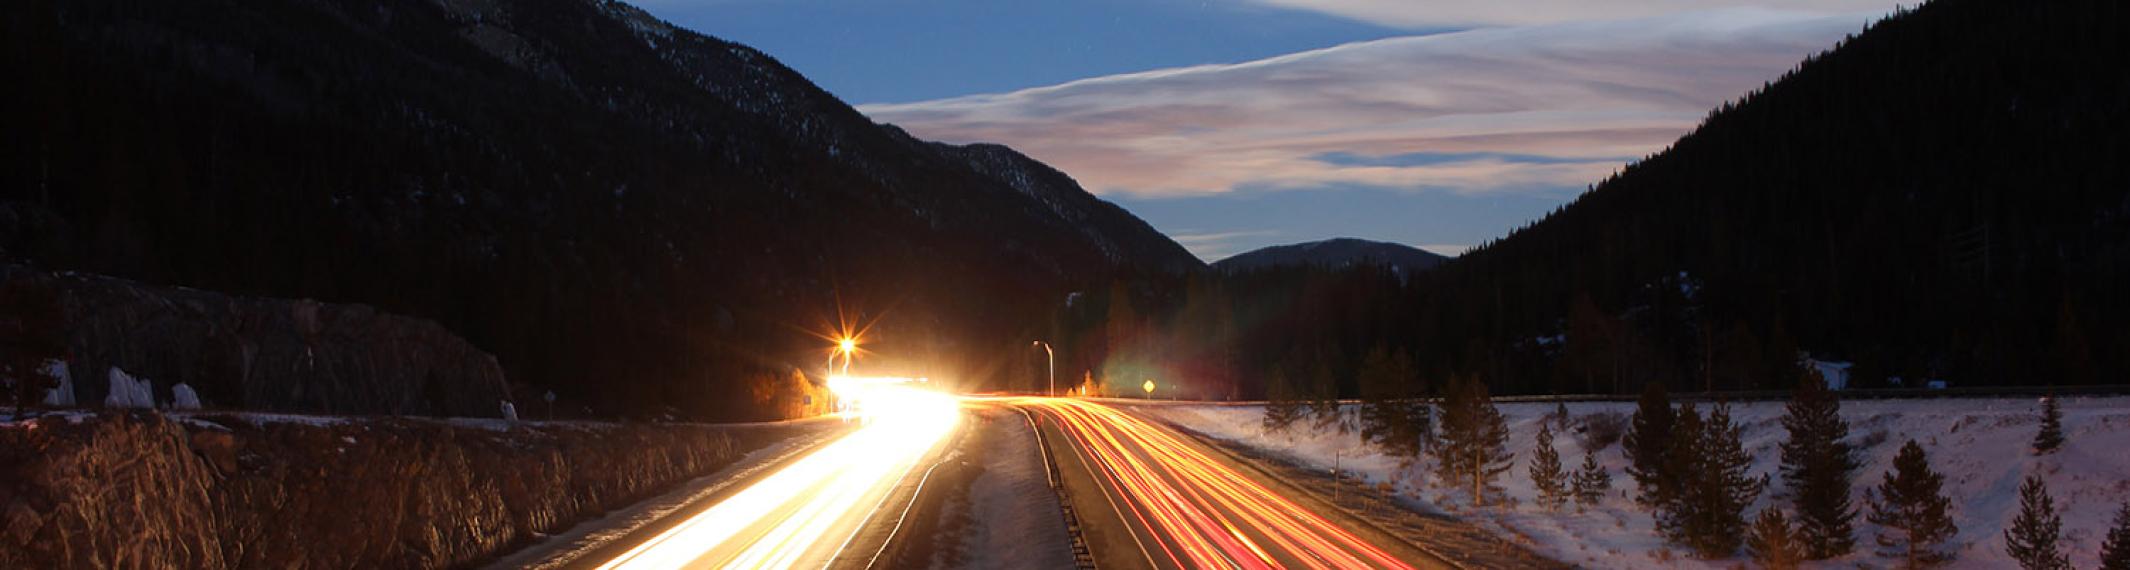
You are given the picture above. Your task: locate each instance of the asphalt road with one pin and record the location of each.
(824, 508)
(1149, 497)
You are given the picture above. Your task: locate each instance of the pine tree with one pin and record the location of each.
(1283, 405)
(1474, 441)
(1708, 512)
(1909, 504)
(1547, 474)
(1392, 415)
(1670, 506)
(2050, 437)
(1819, 469)
(2033, 538)
(1591, 482)
(1323, 390)
(1773, 543)
(2115, 551)
(1649, 438)
(1560, 414)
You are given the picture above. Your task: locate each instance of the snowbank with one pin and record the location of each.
(1979, 444)
(61, 396)
(129, 393)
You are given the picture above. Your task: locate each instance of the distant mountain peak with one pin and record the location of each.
(1335, 252)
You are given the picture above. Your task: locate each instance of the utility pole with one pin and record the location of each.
(1050, 358)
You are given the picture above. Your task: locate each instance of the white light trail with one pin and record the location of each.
(803, 514)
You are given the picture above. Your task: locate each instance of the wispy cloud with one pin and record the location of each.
(1460, 13)
(1217, 245)
(1489, 110)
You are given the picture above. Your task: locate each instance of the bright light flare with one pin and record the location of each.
(805, 513)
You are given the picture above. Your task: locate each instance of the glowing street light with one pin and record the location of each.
(1052, 359)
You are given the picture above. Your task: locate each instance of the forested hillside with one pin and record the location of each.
(631, 214)
(1942, 196)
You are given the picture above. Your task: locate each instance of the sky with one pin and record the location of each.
(1236, 124)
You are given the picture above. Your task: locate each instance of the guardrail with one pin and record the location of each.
(1733, 395)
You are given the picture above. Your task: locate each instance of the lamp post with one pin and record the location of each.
(1050, 358)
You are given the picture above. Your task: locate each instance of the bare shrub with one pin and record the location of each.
(1600, 430)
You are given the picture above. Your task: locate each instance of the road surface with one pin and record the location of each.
(1153, 498)
(810, 513)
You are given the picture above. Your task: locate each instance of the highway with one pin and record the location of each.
(807, 513)
(1151, 498)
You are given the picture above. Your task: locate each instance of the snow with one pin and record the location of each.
(1836, 373)
(129, 393)
(510, 412)
(61, 396)
(1979, 444)
(1019, 524)
(183, 398)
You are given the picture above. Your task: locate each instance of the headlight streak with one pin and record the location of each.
(1196, 507)
(808, 510)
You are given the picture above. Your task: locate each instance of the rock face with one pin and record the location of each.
(140, 490)
(268, 354)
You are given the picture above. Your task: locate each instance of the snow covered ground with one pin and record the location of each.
(1979, 444)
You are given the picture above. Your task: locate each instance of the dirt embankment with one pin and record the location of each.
(142, 490)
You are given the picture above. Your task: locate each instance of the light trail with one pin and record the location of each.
(804, 514)
(1198, 511)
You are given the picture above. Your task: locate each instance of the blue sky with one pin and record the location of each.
(1238, 124)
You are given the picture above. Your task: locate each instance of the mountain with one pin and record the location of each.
(1943, 195)
(1337, 252)
(629, 213)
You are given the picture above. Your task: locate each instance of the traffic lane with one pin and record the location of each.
(1112, 539)
(1187, 507)
(807, 513)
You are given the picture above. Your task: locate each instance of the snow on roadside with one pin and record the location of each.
(1979, 444)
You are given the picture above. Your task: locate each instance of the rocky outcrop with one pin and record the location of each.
(267, 354)
(142, 490)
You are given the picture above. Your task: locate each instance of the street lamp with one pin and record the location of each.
(848, 347)
(1050, 358)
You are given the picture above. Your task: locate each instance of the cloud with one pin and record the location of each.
(1490, 110)
(1217, 245)
(1459, 13)
(1445, 249)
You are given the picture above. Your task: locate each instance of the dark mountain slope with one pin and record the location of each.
(634, 214)
(1944, 195)
(1333, 253)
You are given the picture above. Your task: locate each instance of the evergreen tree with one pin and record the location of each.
(2115, 551)
(1324, 396)
(1818, 467)
(1560, 414)
(1392, 415)
(1707, 514)
(1773, 543)
(2050, 437)
(2033, 538)
(1909, 504)
(1547, 475)
(1591, 482)
(1283, 401)
(1474, 442)
(1648, 440)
